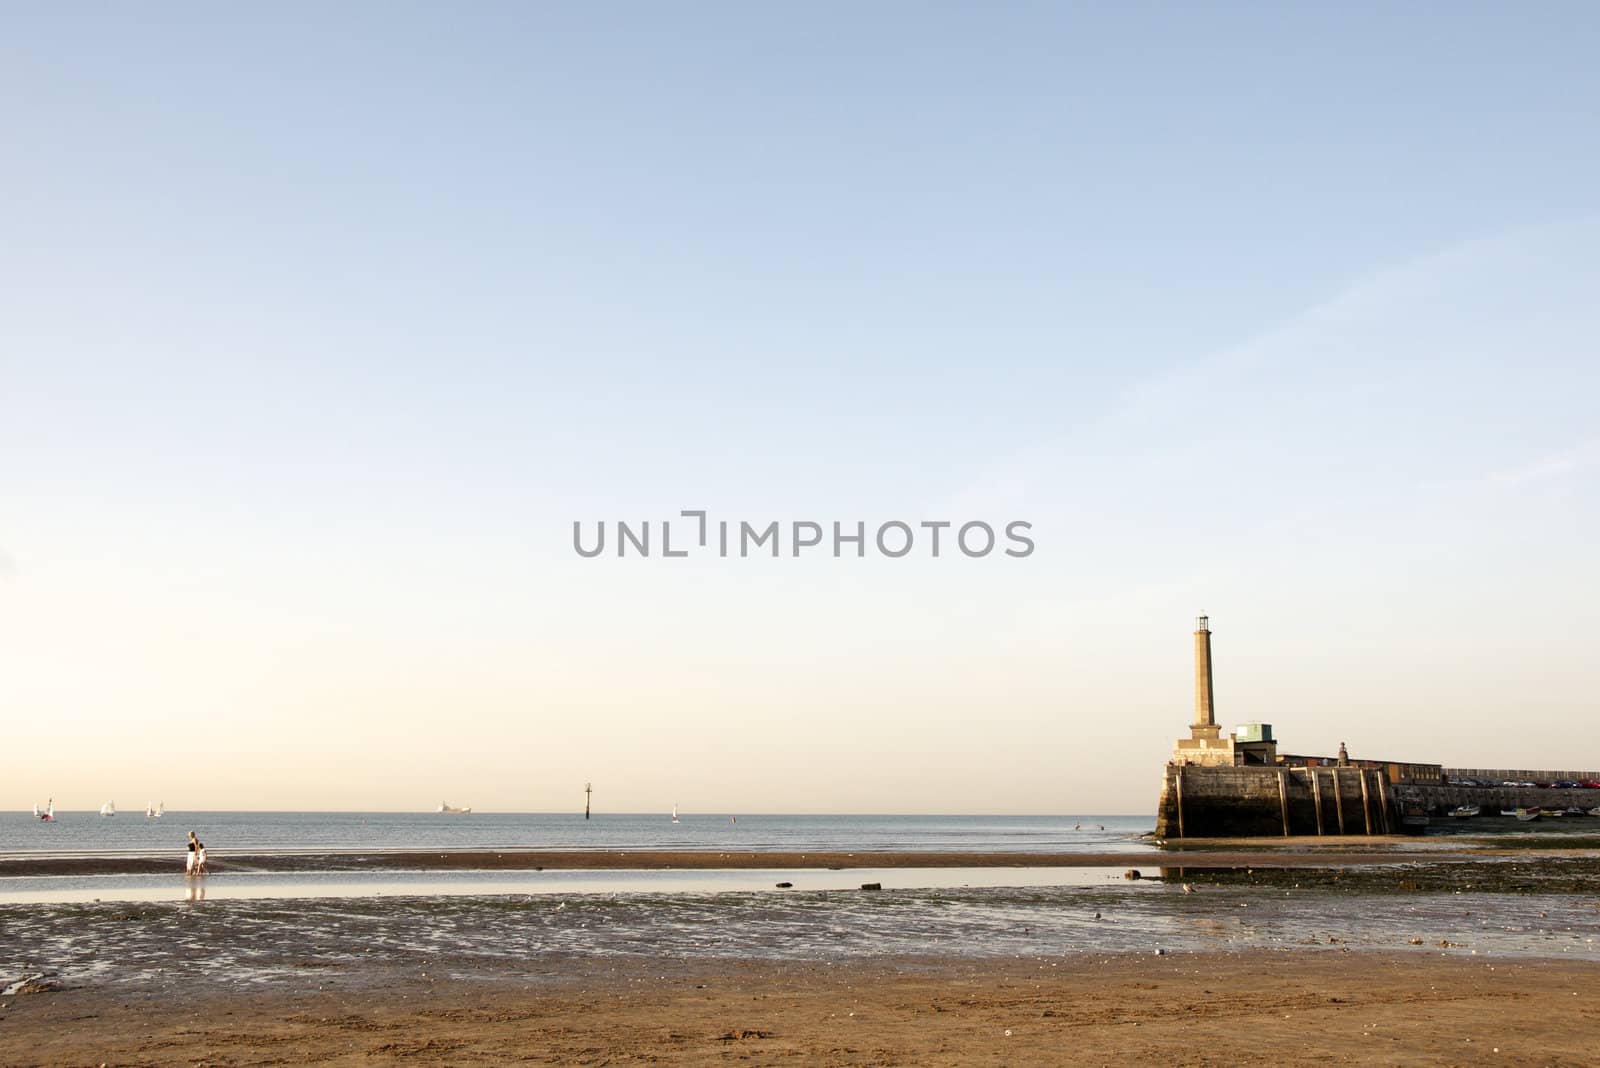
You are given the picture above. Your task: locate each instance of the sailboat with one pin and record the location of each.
(49, 813)
(674, 812)
(108, 809)
(153, 811)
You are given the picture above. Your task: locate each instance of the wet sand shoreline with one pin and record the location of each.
(1221, 856)
(1213, 1008)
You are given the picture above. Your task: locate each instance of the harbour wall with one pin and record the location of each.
(1249, 802)
(1520, 775)
(1439, 800)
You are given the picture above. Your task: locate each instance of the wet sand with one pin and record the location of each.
(1317, 1005)
(1340, 854)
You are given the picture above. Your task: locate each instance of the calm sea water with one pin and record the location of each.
(88, 833)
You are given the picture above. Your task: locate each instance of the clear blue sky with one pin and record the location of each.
(318, 327)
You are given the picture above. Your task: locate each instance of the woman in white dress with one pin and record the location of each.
(192, 863)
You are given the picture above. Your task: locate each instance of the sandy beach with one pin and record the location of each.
(1187, 1009)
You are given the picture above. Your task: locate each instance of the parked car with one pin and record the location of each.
(1566, 784)
(1590, 784)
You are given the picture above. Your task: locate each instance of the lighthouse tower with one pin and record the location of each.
(1205, 744)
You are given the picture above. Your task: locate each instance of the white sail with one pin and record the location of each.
(108, 809)
(674, 812)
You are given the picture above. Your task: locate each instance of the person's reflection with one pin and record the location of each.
(197, 891)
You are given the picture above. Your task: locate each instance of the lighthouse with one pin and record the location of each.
(1205, 744)
(1205, 709)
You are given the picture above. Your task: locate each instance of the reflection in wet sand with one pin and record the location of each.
(367, 941)
(63, 889)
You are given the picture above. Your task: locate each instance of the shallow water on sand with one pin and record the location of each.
(371, 940)
(225, 886)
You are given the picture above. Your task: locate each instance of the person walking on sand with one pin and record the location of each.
(199, 857)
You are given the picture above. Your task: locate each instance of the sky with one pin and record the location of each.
(321, 327)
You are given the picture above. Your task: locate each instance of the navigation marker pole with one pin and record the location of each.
(588, 788)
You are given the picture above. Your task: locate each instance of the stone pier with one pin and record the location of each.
(1247, 802)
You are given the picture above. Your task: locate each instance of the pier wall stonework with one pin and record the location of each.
(1439, 800)
(1254, 802)
(1250, 802)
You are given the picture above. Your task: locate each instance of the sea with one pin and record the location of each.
(132, 834)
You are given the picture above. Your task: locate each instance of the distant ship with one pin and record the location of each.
(108, 809)
(450, 810)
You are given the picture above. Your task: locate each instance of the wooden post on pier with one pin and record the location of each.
(1338, 801)
(1366, 811)
(588, 788)
(1179, 777)
(1316, 796)
(1383, 804)
(1283, 800)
